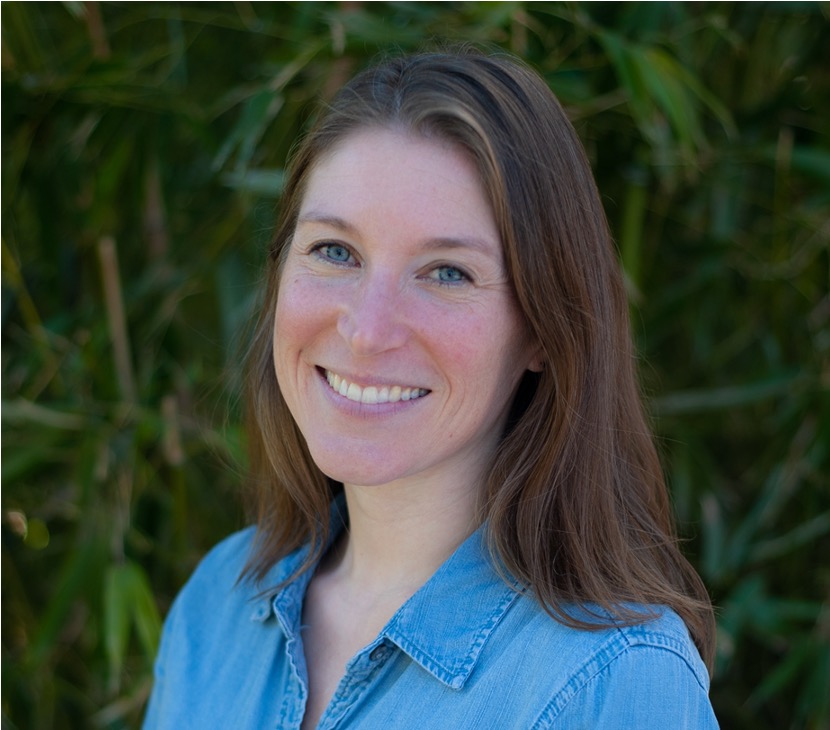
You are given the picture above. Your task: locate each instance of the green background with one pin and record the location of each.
(143, 146)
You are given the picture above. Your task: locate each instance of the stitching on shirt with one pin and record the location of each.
(615, 648)
(458, 671)
(361, 677)
(642, 636)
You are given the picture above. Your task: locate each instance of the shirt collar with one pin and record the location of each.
(446, 624)
(443, 627)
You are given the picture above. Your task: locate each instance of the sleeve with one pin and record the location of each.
(643, 688)
(154, 713)
(190, 631)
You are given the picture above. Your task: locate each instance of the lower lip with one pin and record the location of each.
(366, 410)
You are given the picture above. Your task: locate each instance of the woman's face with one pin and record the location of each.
(398, 346)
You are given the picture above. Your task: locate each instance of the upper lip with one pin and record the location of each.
(370, 380)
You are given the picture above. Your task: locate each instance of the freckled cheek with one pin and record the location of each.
(458, 343)
(301, 310)
(482, 353)
(299, 320)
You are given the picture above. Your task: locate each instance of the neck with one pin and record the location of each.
(400, 534)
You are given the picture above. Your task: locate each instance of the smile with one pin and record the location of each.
(372, 394)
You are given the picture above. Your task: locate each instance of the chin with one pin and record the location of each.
(365, 475)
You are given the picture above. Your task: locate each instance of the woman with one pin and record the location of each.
(461, 519)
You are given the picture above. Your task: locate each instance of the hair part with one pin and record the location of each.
(575, 503)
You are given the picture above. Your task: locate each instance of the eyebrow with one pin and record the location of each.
(328, 220)
(438, 242)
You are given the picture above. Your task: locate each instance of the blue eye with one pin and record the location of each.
(450, 275)
(335, 252)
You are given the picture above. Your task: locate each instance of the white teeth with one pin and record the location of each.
(372, 395)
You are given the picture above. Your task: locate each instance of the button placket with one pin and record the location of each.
(361, 674)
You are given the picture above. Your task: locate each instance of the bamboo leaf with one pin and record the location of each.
(632, 234)
(785, 673)
(801, 535)
(264, 183)
(144, 611)
(626, 67)
(24, 411)
(714, 537)
(732, 396)
(118, 596)
(660, 76)
(71, 585)
(256, 114)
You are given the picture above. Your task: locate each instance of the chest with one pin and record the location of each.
(327, 654)
(257, 680)
(334, 633)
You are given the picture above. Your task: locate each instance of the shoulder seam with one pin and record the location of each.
(601, 660)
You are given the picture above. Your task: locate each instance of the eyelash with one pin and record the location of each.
(319, 250)
(465, 278)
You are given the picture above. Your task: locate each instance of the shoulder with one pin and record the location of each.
(655, 650)
(662, 630)
(214, 584)
(219, 570)
(216, 630)
(665, 634)
(649, 675)
(229, 555)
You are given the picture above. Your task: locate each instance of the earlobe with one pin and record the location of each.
(537, 361)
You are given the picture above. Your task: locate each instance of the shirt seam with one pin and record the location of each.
(599, 663)
(462, 665)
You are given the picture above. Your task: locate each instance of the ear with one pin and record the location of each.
(536, 363)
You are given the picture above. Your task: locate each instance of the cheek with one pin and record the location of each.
(294, 324)
(287, 319)
(300, 308)
(454, 335)
(481, 350)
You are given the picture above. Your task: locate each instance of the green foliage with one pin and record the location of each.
(143, 151)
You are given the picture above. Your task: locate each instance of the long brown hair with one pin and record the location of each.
(575, 504)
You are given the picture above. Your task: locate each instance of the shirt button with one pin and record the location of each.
(379, 652)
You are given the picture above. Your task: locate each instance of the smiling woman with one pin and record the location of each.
(383, 292)
(461, 520)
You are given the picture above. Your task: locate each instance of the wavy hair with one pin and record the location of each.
(575, 502)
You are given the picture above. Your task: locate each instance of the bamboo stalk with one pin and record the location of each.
(96, 30)
(116, 319)
(172, 443)
(155, 219)
(28, 309)
(13, 276)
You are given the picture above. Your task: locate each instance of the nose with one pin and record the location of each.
(372, 321)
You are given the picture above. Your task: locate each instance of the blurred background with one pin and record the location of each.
(143, 147)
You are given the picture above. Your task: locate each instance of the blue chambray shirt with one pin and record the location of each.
(466, 651)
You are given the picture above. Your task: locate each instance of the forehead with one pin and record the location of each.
(394, 178)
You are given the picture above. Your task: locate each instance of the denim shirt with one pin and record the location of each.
(468, 650)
